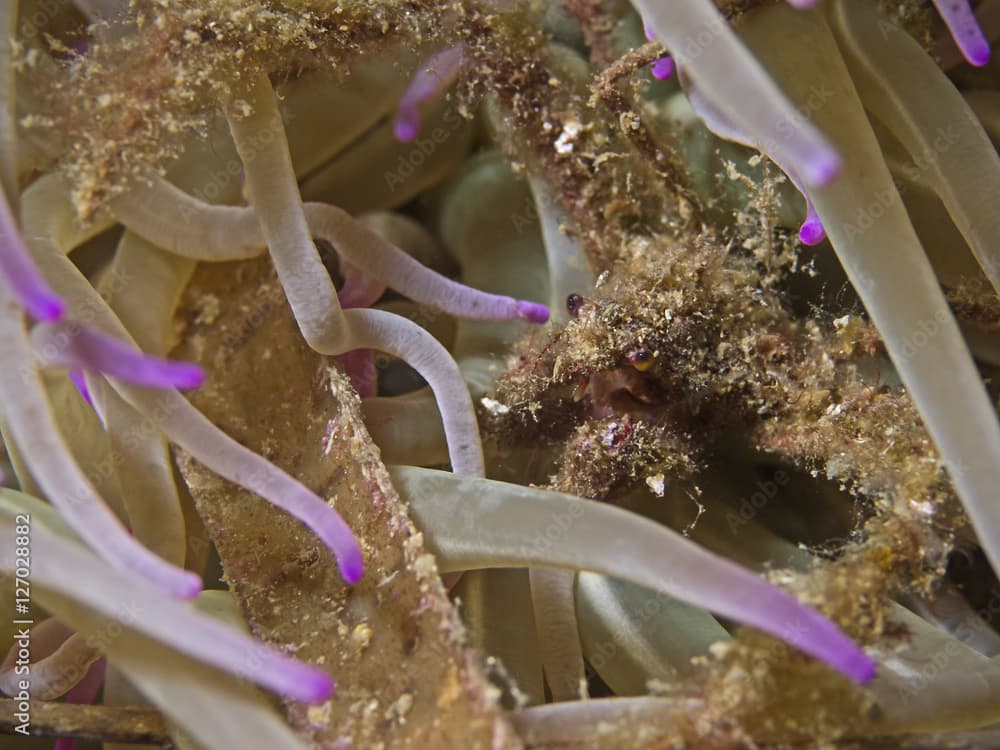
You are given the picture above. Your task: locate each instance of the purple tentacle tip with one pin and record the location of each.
(407, 125)
(117, 359)
(81, 347)
(533, 312)
(319, 689)
(802, 4)
(978, 52)
(663, 68)
(430, 81)
(864, 670)
(352, 566)
(844, 655)
(855, 664)
(191, 585)
(961, 21)
(81, 385)
(45, 307)
(184, 375)
(812, 232)
(19, 272)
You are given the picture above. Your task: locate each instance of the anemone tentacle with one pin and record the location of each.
(60, 565)
(888, 268)
(433, 77)
(466, 537)
(32, 426)
(80, 347)
(965, 30)
(8, 109)
(146, 305)
(811, 232)
(56, 674)
(552, 597)
(182, 223)
(188, 428)
(21, 276)
(704, 46)
(948, 146)
(663, 68)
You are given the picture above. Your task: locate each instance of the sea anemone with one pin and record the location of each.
(513, 413)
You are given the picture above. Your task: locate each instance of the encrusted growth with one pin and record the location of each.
(124, 106)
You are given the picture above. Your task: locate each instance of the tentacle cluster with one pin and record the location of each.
(124, 532)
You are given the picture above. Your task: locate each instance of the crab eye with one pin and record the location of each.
(573, 304)
(640, 359)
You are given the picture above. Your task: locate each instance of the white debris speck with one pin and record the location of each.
(425, 566)
(362, 636)
(841, 323)
(209, 308)
(329, 437)
(720, 648)
(494, 407)
(656, 484)
(387, 580)
(400, 708)
(564, 143)
(319, 716)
